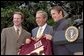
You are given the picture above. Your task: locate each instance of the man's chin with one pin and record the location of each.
(39, 25)
(17, 24)
(55, 20)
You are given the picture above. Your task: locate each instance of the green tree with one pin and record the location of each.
(29, 8)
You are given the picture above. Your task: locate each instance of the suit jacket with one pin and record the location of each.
(10, 43)
(59, 26)
(47, 30)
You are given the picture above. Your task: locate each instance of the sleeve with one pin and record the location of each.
(51, 31)
(28, 34)
(3, 42)
(32, 32)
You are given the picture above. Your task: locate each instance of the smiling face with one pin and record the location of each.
(17, 19)
(40, 19)
(56, 15)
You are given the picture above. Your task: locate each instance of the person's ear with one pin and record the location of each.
(60, 13)
(22, 20)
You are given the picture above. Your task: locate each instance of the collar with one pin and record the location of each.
(43, 26)
(20, 28)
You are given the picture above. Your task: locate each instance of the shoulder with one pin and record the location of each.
(25, 31)
(35, 29)
(6, 29)
(65, 22)
(48, 26)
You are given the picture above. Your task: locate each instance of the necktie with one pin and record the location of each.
(39, 32)
(18, 32)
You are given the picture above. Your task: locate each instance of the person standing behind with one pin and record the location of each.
(13, 37)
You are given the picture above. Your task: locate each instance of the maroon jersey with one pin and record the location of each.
(40, 47)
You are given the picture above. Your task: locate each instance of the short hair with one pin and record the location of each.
(43, 13)
(20, 13)
(58, 9)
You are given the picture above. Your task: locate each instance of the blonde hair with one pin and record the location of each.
(20, 13)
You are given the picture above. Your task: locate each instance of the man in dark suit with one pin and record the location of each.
(41, 20)
(13, 37)
(61, 24)
(60, 45)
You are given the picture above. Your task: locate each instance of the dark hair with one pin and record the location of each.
(58, 8)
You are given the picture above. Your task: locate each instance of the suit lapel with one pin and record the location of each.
(21, 35)
(46, 29)
(36, 31)
(14, 33)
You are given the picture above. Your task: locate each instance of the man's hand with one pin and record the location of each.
(28, 41)
(35, 39)
(48, 36)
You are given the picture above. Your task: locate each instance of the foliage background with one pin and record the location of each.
(74, 10)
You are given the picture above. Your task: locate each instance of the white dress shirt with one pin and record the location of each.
(40, 32)
(20, 29)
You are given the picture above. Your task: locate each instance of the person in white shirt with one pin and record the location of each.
(41, 20)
